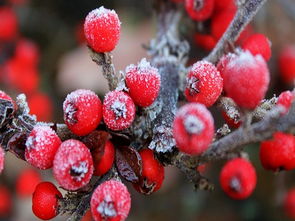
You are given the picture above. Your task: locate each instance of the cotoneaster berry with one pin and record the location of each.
(238, 178)
(199, 10)
(8, 24)
(279, 153)
(205, 41)
(26, 182)
(110, 201)
(102, 29)
(287, 64)
(41, 105)
(204, 83)
(5, 202)
(45, 201)
(289, 203)
(221, 5)
(1, 159)
(223, 61)
(73, 165)
(193, 128)
(152, 173)
(220, 22)
(246, 79)
(285, 99)
(143, 82)
(82, 111)
(27, 52)
(118, 110)
(105, 163)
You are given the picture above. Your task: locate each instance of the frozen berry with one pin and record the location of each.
(105, 162)
(110, 201)
(246, 78)
(41, 105)
(45, 201)
(8, 24)
(289, 203)
(287, 64)
(72, 165)
(41, 146)
(5, 202)
(118, 110)
(204, 83)
(279, 153)
(193, 128)
(285, 99)
(143, 82)
(26, 182)
(82, 111)
(233, 119)
(220, 21)
(102, 29)
(199, 10)
(1, 159)
(27, 52)
(205, 41)
(152, 173)
(224, 60)
(238, 178)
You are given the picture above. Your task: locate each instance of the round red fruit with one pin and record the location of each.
(289, 203)
(40, 104)
(193, 128)
(8, 24)
(1, 159)
(285, 100)
(238, 178)
(205, 41)
(5, 202)
(105, 162)
(199, 10)
(287, 64)
(26, 182)
(110, 201)
(27, 52)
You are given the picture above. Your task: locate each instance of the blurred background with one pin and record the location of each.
(44, 55)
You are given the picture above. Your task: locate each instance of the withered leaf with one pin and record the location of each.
(17, 144)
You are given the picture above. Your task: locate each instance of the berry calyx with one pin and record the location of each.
(26, 182)
(102, 29)
(279, 153)
(45, 201)
(204, 84)
(105, 163)
(152, 173)
(238, 178)
(110, 201)
(73, 165)
(287, 64)
(199, 10)
(193, 128)
(143, 82)
(285, 100)
(82, 111)
(41, 146)
(118, 110)
(289, 203)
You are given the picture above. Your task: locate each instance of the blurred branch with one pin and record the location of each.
(289, 7)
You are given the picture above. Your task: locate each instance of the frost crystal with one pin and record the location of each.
(78, 172)
(107, 209)
(193, 124)
(119, 108)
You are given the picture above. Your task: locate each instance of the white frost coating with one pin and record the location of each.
(164, 141)
(235, 184)
(245, 59)
(100, 12)
(119, 108)
(107, 209)
(193, 124)
(82, 169)
(143, 67)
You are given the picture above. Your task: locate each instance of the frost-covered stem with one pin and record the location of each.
(247, 9)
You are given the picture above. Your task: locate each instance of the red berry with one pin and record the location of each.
(202, 168)
(289, 203)
(26, 182)
(204, 83)
(102, 29)
(1, 159)
(5, 96)
(105, 163)
(199, 10)
(87, 216)
(205, 41)
(278, 153)
(232, 119)
(287, 64)
(45, 201)
(258, 44)
(152, 173)
(118, 110)
(238, 178)
(82, 111)
(220, 21)
(27, 52)
(72, 165)
(143, 82)
(110, 201)
(285, 99)
(220, 5)
(5, 202)
(246, 78)
(41, 146)
(8, 24)
(224, 60)
(193, 128)
(40, 104)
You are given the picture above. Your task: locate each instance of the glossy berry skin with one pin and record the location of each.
(110, 201)
(193, 128)
(45, 201)
(41, 105)
(41, 146)
(26, 182)
(105, 163)
(118, 110)
(287, 64)
(204, 83)
(102, 29)
(5, 202)
(152, 173)
(258, 44)
(289, 203)
(205, 41)
(199, 10)
(82, 111)
(279, 153)
(73, 165)
(143, 82)
(285, 99)
(238, 178)
(246, 79)
(8, 24)
(1, 159)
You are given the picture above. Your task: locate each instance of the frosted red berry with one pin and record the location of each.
(285, 100)
(289, 203)
(223, 61)
(41, 105)
(238, 178)
(193, 128)
(246, 79)
(110, 201)
(102, 29)
(27, 52)
(143, 82)
(105, 162)
(278, 153)
(82, 111)
(258, 44)
(8, 24)
(205, 41)
(199, 10)
(26, 182)
(152, 173)
(45, 201)
(73, 165)
(1, 159)
(287, 64)
(204, 83)
(118, 110)
(5, 202)
(41, 146)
